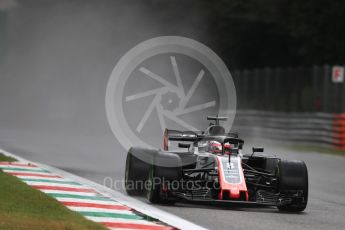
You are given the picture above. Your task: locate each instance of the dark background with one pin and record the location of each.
(247, 34)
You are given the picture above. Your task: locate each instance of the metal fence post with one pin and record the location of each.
(325, 90)
(267, 90)
(342, 97)
(257, 96)
(245, 92)
(288, 89)
(316, 97)
(237, 82)
(2, 36)
(277, 89)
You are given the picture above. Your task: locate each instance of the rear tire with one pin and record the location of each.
(136, 175)
(160, 176)
(154, 187)
(293, 175)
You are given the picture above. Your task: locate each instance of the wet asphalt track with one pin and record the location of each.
(92, 156)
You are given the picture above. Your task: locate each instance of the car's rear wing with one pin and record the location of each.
(190, 136)
(175, 135)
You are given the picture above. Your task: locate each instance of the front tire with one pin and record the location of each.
(293, 176)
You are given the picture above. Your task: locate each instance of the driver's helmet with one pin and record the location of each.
(216, 147)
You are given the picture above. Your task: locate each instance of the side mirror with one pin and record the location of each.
(183, 145)
(258, 150)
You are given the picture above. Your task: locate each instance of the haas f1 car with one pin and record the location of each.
(209, 167)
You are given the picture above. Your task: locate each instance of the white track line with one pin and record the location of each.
(28, 172)
(22, 164)
(107, 210)
(120, 220)
(18, 167)
(39, 178)
(69, 192)
(37, 183)
(64, 199)
(122, 228)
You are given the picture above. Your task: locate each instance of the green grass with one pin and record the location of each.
(25, 208)
(6, 158)
(318, 149)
